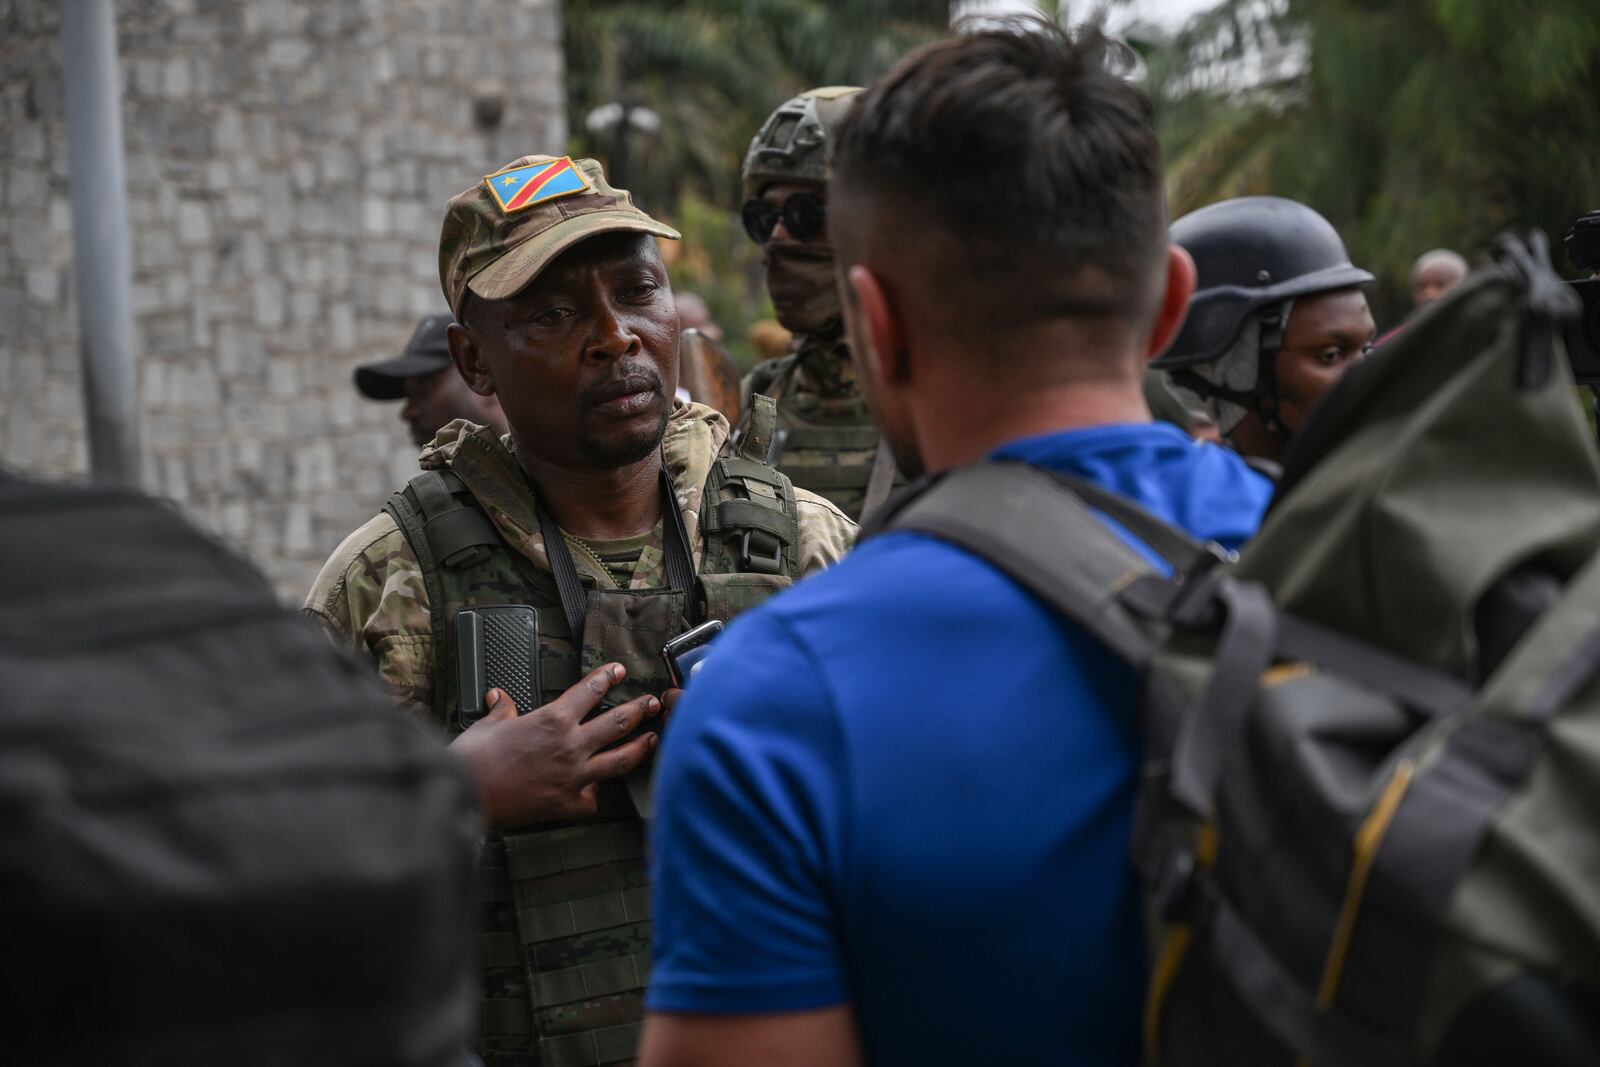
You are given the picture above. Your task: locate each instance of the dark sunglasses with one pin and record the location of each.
(803, 215)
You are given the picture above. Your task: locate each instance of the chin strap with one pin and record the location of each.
(1265, 403)
(1263, 399)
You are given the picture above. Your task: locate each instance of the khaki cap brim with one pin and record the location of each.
(511, 273)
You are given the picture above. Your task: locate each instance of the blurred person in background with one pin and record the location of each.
(1277, 318)
(1436, 273)
(423, 376)
(707, 373)
(693, 314)
(826, 441)
(769, 339)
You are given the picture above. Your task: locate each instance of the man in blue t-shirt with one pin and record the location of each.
(894, 808)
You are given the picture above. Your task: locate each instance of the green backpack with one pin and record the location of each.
(1369, 828)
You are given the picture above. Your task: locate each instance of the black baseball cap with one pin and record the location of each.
(426, 353)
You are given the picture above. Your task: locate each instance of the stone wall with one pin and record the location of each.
(287, 163)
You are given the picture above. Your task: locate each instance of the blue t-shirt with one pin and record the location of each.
(907, 785)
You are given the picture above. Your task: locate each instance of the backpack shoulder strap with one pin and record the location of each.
(1035, 528)
(1183, 552)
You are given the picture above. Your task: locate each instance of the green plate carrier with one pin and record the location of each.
(566, 945)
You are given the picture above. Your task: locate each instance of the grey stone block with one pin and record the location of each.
(278, 205)
(341, 327)
(26, 188)
(219, 176)
(175, 80)
(268, 302)
(288, 54)
(155, 250)
(44, 285)
(375, 215)
(194, 223)
(242, 207)
(305, 307)
(146, 298)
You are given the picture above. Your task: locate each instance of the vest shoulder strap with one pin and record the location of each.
(767, 382)
(446, 528)
(748, 516)
(757, 429)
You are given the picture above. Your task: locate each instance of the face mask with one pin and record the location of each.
(800, 279)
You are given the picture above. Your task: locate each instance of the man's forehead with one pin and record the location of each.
(1334, 311)
(1439, 268)
(419, 384)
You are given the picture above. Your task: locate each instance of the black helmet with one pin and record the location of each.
(1252, 253)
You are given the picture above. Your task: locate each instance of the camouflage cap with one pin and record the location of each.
(499, 234)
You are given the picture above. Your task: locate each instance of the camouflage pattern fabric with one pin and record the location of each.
(792, 145)
(566, 941)
(371, 592)
(493, 244)
(829, 439)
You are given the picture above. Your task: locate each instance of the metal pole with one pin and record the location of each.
(102, 259)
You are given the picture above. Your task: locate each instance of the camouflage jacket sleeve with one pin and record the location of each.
(370, 594)
(826, 533)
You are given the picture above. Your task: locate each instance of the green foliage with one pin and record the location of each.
(1411, 124)
(713, 70)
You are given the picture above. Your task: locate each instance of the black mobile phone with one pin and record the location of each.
(684, 653)
(497, 648)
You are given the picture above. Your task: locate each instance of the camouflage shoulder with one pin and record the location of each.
(371, 593)
(826, 533)
(359, 562)
(761, 377)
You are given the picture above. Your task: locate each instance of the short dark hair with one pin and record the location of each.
(1039, 162)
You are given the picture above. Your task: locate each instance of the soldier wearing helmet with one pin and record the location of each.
(826, 441)
(1277, 318)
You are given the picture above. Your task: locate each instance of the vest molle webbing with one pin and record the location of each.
(827, 445)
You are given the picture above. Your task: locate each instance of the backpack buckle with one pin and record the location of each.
(1194, 604)
(1172, 890)
(762, 563)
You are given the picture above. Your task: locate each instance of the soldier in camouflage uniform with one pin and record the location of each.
(616, 513)
(826, 440)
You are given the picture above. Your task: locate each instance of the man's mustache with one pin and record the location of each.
(632, 380)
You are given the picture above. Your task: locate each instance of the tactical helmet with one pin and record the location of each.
(1252, 253)
(792, 145)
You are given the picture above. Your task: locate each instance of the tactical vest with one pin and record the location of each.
(828, 445)
(566, 948)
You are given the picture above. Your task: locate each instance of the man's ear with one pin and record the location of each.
(1174, 302)
(469, 360)
(880, 319)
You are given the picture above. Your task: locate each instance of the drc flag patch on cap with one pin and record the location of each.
(534, 183)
